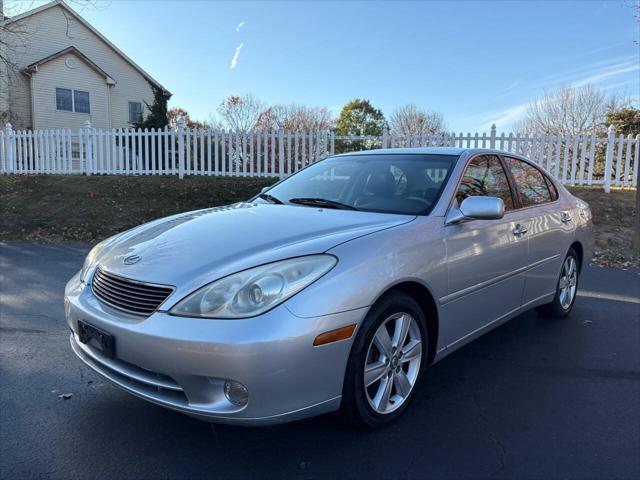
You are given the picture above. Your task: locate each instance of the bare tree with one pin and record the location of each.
(176, 112)
(13, 41)
(240, 113)
(569, 111)
(411, 120)
(295, 117)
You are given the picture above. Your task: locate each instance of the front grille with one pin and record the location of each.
(129, 295)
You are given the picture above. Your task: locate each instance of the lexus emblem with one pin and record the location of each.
(131, 259)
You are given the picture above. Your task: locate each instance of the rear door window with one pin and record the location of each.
(531, 183)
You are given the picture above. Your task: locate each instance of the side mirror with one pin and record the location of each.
(264, 189)
(476, 208)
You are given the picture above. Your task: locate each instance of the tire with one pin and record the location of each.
(561, 306)
(366, 406)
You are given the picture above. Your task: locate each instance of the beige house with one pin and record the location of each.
(62, 72)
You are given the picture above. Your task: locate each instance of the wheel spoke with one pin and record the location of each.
(403, 386)
(383, 342)
(563, 296)
(381, 400)
(570, 266)
(411, 350)
(373, 372)
(401, 330)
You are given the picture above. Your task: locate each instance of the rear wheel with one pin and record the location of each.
(566, 288)
(386, 361)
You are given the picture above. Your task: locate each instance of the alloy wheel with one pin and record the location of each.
(568, 282)
(393, 362)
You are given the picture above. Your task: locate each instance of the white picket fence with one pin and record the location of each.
(574, 160)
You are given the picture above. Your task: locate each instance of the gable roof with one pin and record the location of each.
(34, 66)
(75, 15)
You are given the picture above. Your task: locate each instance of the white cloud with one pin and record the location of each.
(240, 25)
(515, 84)
(595, 72)
(503, 119)
(234, 60)
(608, 73)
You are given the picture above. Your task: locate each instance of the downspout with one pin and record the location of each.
(33, 110)
(109, 88)
(29, 73)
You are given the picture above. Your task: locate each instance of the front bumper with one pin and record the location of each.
(182, 363)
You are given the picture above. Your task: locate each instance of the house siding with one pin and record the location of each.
(51, 30)
(57, 73)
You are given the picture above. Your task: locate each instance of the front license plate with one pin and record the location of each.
(97, 338)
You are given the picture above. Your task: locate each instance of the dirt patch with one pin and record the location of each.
(613, 225)
(81, 209)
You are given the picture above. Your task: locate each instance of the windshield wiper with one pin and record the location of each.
(322, 202)
(270, 198)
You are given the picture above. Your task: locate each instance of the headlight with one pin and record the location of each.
(254, 291)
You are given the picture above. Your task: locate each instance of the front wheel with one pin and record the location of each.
(386, 361)
(566, 289)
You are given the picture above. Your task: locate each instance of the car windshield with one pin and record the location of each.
(392, 183)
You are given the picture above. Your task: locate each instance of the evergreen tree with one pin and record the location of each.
(359, 117)
(157, 117)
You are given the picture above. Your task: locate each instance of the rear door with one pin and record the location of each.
(486, 258)
(550, 228)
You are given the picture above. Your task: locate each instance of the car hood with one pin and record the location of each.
(189, 250)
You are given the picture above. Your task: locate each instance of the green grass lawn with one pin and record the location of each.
(81, 209)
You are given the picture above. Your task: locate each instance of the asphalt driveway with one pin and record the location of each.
(535, 398)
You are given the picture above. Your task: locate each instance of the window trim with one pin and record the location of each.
(73, 100)
(545, 177)
(141, 111)
(514, 199)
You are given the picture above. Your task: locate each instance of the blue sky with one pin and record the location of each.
(476, 62)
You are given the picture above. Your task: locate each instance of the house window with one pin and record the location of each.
(135, 112)
(69, 100)
(64, 99)
(81, 101)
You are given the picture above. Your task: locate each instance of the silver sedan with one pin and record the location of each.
(332, 290)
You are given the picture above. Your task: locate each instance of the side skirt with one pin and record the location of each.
(461, 342)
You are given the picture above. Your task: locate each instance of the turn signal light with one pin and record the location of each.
(331, 336)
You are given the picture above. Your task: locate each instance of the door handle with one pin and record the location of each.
(565, 218)
(519, 230)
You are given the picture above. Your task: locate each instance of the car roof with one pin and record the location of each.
(422, 151)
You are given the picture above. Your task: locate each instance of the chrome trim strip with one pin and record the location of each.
(139, 282)
(487, 283)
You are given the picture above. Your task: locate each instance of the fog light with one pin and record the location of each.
(236, 393)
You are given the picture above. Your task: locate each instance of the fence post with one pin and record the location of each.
(281, 153)
(492, 138)
(88, 150)
(8, 148)
(611, 138)
(181, 147)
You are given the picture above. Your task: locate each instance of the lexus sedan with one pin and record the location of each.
(334, 289)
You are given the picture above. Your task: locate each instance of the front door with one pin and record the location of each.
(486, 258)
